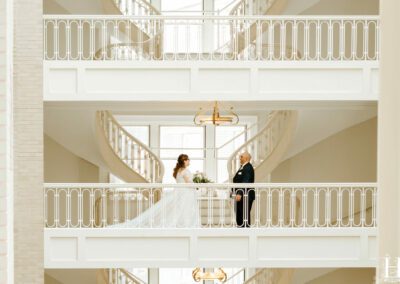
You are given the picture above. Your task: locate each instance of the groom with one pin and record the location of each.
(244, 196)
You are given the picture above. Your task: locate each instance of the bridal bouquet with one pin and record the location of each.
(199, 177)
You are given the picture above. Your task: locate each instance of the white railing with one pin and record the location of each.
(121, 276)
(236, 278)
(275, 205)
(135, 8)
(291, 38)
(251, 7)
(264, 143)
(130, 150)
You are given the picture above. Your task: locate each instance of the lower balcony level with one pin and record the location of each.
(134, 225)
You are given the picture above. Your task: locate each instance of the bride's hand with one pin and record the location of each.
(187, 179)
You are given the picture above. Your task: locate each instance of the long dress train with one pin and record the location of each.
(178, 208)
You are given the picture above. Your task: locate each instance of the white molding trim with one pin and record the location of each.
(272, 247)
(208, 81)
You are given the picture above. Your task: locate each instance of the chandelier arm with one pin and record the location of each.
(215, 117)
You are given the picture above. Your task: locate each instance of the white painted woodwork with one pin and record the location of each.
(106, 248)
(195, 80)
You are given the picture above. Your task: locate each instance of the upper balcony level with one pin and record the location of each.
(107, 57)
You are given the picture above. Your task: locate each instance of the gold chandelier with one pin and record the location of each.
(203, 117)
(218, 274)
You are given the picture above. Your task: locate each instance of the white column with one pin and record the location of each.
(6, 186)
(208, 28)
(154, 141)
(28, 141)
(211, 161)
(389, 131)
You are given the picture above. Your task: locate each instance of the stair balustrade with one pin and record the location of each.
(251, 7)
(236, 278)
(121, 276)
(263, 147)
(136, 156)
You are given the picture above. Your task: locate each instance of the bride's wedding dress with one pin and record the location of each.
(177, 208)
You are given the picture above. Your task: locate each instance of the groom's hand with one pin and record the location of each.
(238, 197)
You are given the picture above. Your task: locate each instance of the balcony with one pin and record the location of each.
(92, 58)
(292, 225)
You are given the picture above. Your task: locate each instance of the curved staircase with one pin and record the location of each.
(271, 276)
(137, 38)
(118, 276)
(268, 146)
(140, 38)
(254, 7)
(126, 156)
(252, 38)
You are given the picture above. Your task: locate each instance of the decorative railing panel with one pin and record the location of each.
(289, 38)
(275, 205)
(130, 150)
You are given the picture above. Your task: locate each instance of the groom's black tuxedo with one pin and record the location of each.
(243, 207)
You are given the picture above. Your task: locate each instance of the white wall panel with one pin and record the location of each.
(62, 81)
(197, 80)
(372, 248)
(64, 249)
(224, 81)
(317, 248)
(272, 247)
(313, 81)
(223, 248)
(136, 81)
(375, 81)
(137, 248)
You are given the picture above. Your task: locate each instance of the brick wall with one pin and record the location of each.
(28, 142)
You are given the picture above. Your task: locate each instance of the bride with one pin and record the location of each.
(177, 208)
